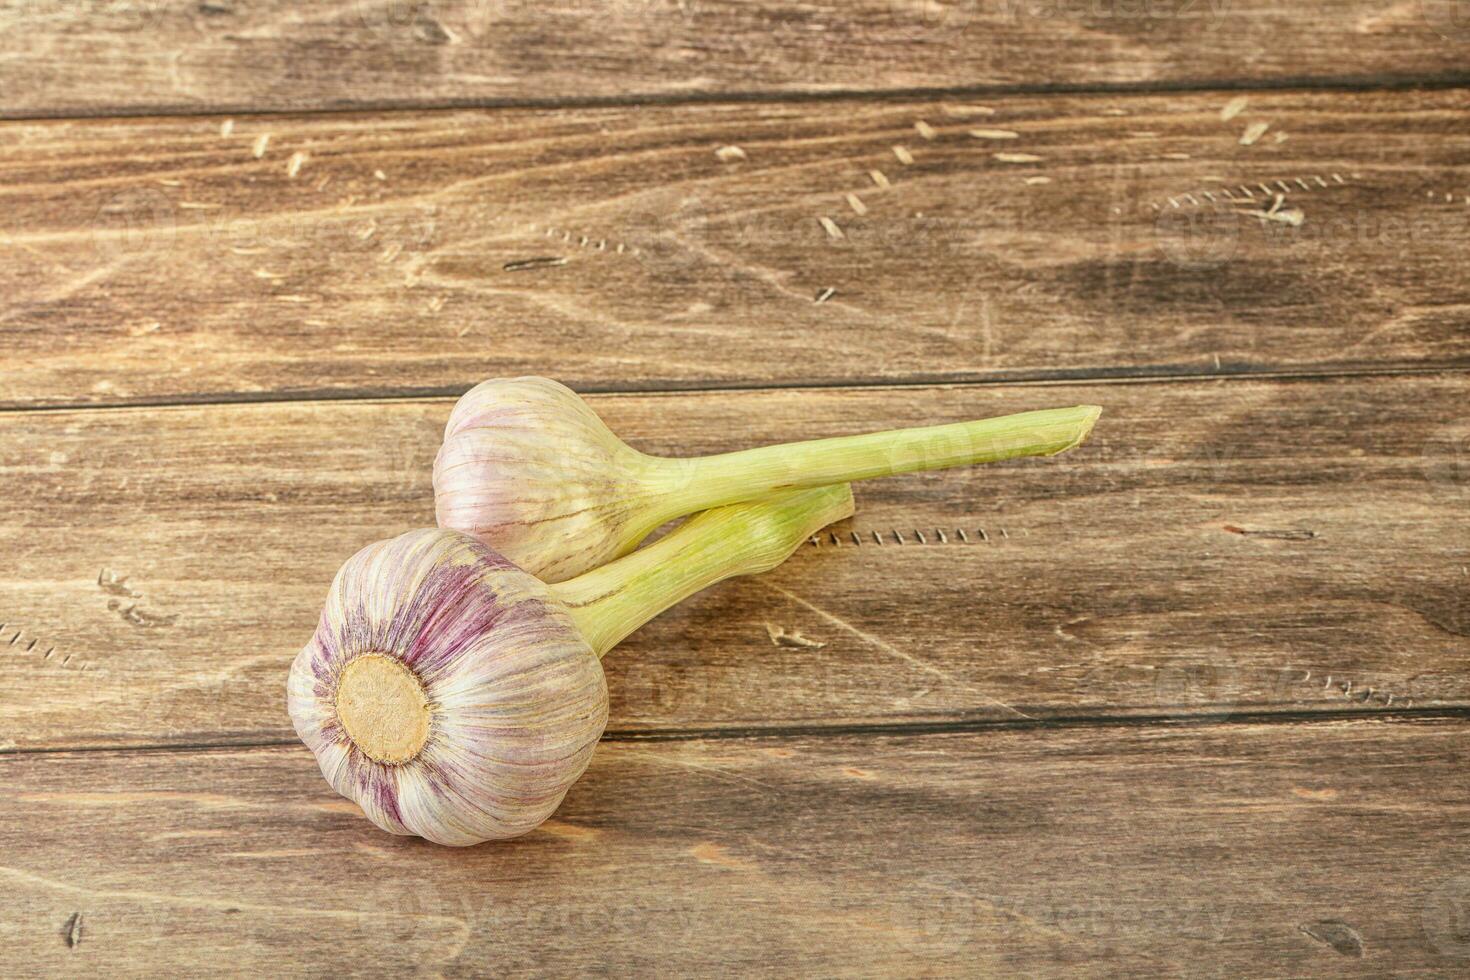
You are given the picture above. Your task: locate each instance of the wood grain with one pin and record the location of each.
(1146, 852)
(1217, 548)
(109, 56)
(658, 247)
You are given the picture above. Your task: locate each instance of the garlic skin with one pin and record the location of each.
(455, 697)
(528, 468)
(513, 697)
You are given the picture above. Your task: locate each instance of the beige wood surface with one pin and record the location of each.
(1188, 701)
(1216, 548)
(1328, 848)
(616, 249)
(108, 56)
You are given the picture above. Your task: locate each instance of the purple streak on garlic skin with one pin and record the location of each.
(557, 521)
(516, 700)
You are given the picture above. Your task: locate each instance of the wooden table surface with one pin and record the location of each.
(1191, 700)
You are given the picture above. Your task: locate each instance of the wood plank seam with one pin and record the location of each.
(1226, 374)
(841, 730)
(1328, 84)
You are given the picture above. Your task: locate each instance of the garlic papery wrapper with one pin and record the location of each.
(454, 696)
(528, 468)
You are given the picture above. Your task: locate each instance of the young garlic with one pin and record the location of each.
(528, 468)
(454, 696)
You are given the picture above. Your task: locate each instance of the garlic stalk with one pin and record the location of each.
(454, 696)
(528, 468)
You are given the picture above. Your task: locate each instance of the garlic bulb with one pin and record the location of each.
(528, 468)
(456, 697)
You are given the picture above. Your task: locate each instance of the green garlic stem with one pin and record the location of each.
(712, 481)
(610, 602)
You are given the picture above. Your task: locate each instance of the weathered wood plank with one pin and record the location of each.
(621, 248)
(1217, 547)
(1244, 850)
(109, 56)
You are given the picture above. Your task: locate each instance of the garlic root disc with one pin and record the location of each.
(456, 697)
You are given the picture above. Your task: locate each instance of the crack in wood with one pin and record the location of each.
(1336, 935)
(540, 262)
(1275, 534)
(71, 931)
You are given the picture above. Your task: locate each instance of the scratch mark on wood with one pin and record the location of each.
(1253, 132)
(903, 155)
(1275, 534)
(115, 584)
(72, 931)
(962, 111)
(568, 831)
(540, 262)
(717, 855)
(1016, 157)
(141, 617)
(781, 638)
(890, 649)
(1337, 935)
(995, 134)
(728, 153)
